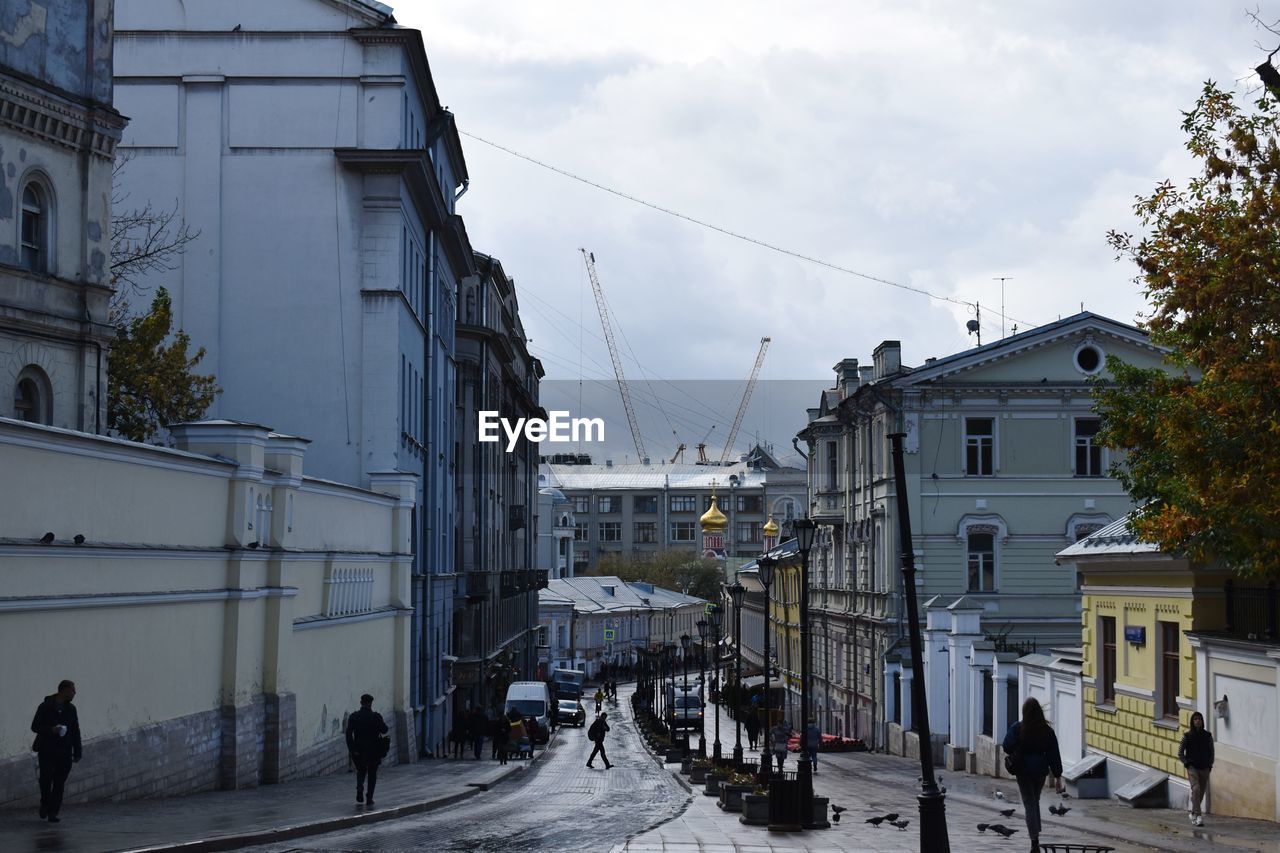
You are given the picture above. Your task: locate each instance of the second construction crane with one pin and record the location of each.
(590, 260)
(746, 398)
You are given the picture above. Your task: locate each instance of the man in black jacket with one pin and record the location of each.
(365, 730)
(596, 733)
(57, 729)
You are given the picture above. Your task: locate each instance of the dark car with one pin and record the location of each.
(570, 711)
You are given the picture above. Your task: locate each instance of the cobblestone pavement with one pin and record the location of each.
(869, 784)
(559, 805)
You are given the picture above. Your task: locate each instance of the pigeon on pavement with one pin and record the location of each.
(901, 824)
(1059, 809)
(983, 827)
(1004, 830)
(1007, 812)
(999, 795)
(875, 821)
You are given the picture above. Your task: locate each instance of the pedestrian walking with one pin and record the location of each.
(458, 737)
(501, 734)
(57, 745)
(477, 730)
(752, 724)
(596, 733)
(1031, 754)
(1196, 754)
(599, 700)
(812, 741)
(780, 734)
(367, 743)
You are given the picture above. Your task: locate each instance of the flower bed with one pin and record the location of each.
(831, 743)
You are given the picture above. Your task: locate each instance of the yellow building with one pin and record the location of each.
(1139, 673)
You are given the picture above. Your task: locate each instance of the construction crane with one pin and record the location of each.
(746, 398)
(590, 260)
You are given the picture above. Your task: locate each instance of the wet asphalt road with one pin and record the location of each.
(560, 805)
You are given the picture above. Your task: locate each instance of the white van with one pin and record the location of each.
(531, 699)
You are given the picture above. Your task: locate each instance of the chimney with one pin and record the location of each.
(608, 463)
(866, 373)
(813, 414)
(847, 377)
(887, 358)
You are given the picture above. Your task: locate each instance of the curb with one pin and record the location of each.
(321, 827)
(302, 830)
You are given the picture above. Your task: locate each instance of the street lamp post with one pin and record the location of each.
(716, 615)
(704, 631)
(764, 570)
(736, 593)
(804, 529)
(685, 642)
(671, 696)
(933, 802)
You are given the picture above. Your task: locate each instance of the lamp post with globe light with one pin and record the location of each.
(736, 594)
(715, 615)
(765, 568)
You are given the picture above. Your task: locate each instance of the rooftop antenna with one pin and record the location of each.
(975, 325)
(1002, 279)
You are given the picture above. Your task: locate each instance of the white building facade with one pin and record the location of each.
(305, 143)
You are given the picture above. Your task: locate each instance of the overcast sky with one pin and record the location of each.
(933, 144)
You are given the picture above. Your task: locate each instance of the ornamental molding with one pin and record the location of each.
(95, 129)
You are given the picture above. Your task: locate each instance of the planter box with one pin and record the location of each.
(755, 809)
(820, 813)
(686, 766)
(698, 775)
(731, 797)
(674, 753)
(712, 784)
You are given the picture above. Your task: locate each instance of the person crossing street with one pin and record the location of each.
(596, 734)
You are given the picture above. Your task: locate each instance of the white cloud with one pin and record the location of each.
(935, 144)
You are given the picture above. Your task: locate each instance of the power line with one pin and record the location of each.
(725, 231)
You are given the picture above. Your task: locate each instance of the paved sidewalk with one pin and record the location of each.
(227, 820)
(869, 784)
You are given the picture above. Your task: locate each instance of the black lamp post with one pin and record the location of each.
(685, 642)
(670, 650)
(764, 570)
(704, 632)
(804, 529)
(715, 614)
(736, 593)
(933, 802)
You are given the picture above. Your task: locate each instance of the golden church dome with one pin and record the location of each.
(771, 527)
(713, 520)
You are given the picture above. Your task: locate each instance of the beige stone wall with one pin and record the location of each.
(199, 662)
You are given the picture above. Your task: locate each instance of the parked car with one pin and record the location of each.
(686, 712)
(571, 712)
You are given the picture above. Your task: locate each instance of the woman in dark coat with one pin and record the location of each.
(501, 734)
(1196, 754)
(1035, 745)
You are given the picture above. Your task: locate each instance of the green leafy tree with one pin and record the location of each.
(151, 379)
(1202, 441)
(678, 570)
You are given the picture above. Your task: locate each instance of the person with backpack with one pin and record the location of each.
(1196, 754)
(1031, 754)
(596, 734)
(368, 744)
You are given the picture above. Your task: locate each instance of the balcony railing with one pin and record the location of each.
(1253, 611)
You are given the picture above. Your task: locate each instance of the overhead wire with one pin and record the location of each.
(773, 247)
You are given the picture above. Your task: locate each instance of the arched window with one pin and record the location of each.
(32, 397)
(35, 228)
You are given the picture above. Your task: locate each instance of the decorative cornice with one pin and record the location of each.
(93, 128)
(26, 604)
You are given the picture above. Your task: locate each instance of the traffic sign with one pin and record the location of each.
(610, 635)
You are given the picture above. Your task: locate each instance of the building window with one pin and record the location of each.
(750, 503)
(979, 449)
(749, 531)
(611, 531)
(1088, 451)
(644, 503)
(32, 396)
(683, 531)
(982, 562)
(646, 532)
(684, 503)
(1169, 654)
(833, 467)
(580, 533)
(1107, 662)
(609, 503)
(582, 505)
(35, 228)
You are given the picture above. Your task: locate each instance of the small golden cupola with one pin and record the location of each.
(713, 520)
(771, 528)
